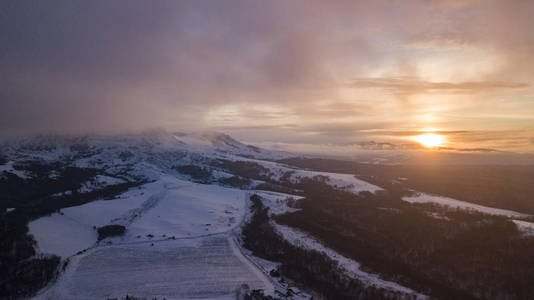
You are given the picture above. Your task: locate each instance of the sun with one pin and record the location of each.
(430, 140)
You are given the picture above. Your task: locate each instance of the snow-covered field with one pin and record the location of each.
(71, 230)
(166, 208)
(178, 244)
(349, 266)
(453, 203)
(205, 268)
(189, 210)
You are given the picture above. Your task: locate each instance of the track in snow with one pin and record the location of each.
(130, 216)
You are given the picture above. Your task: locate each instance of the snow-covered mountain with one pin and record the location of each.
(50, 147)
(171, 193)
(206, 157)
(188, 215)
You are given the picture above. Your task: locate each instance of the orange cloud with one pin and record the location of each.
(403, 85)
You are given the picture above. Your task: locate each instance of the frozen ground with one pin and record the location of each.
(349, 266)
(444, 201)
(175, 269)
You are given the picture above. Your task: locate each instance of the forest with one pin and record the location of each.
(457, 255)
(22, 273)
(501, 186)
(308, 268)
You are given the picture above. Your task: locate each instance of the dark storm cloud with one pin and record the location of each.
(63, 63)
(113, 63)
(90, 40)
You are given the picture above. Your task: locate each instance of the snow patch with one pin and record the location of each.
(346, 182)
(277, 202)
(189, 209)
(98, 182)
(449, 202)
(71, 230)
(438, 216)
(527, 228)
(8, 167)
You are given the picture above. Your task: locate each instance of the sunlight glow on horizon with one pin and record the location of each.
(430, 140)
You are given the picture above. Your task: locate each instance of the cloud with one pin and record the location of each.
(402, 85)
(265, 69)
(438, 42)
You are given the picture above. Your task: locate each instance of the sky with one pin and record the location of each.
(277, 73)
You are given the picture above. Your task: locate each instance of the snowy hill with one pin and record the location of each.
(207, 158)
(202, 215)
(178, 197)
